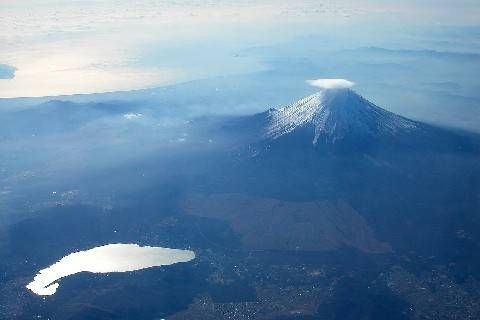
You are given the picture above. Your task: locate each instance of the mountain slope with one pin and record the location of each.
(400, 175)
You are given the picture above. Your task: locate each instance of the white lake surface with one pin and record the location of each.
(104, 259)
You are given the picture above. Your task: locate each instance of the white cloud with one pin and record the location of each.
(131, 116)
(331, 83)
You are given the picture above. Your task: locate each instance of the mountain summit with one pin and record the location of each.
(332, 115)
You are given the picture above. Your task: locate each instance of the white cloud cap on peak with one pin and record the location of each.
(331, 83)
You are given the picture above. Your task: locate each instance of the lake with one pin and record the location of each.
(116, 257)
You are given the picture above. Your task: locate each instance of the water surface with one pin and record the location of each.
(104, 259)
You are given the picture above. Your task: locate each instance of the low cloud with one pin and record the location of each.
(331, 83)
(131, 116)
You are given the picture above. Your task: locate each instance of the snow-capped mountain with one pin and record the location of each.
(341, 120)
(335, 114)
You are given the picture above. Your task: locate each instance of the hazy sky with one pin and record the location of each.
(55, 47)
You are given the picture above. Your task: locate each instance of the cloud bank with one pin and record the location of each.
(331, 83)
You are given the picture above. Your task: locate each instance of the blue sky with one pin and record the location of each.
(97, 46)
